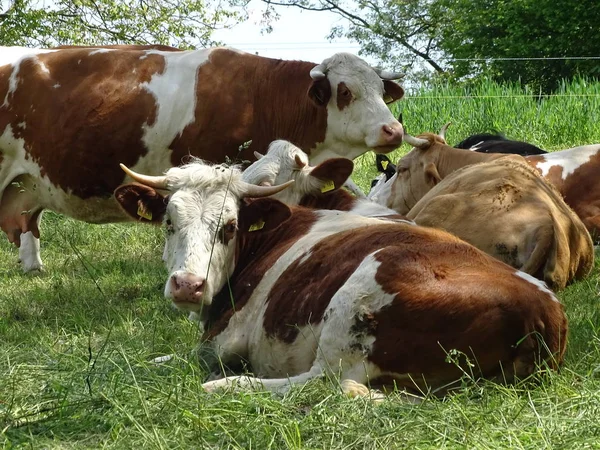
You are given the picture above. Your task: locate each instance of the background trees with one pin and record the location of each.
(536, 42)
(181, 23)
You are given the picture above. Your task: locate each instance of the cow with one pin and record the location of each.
(498, 143)
(300, 293)
(574, 172)
(69, 115)
(314, 187)
(502, 206)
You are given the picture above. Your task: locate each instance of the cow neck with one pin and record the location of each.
(338, 200)
(451, 159)
(282, 108)
(256, 252)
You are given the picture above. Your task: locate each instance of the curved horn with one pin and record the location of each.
(251, 190)
(387, 75)
(148, 180)
(443, 130)
(415, 141)
(258, 155)
(318, 72)
(299, 163)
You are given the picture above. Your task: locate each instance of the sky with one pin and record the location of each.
(298, 34)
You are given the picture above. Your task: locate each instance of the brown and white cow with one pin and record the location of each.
(314, 187)
(502, 206)
(300, 293)
(575, 173)
(69, 116)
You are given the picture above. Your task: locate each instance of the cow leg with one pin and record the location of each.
(279, 385)
(29, 250)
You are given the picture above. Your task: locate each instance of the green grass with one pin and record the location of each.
(76, 343)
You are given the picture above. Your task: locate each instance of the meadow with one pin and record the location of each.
(77, 342)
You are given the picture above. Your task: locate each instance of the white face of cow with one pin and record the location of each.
(357, 115)
(201, 225)
(200, 217)
(284, 162)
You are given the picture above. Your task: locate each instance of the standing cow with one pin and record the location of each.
(299, 293)
(69, 116)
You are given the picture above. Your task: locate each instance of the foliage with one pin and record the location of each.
(77, 343)
(463, 39)
(490, 30)
(180, 23)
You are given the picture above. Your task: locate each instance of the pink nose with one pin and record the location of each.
(186, 287)
(392, 134)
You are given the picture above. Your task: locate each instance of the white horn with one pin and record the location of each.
(415, 141)
(253, 191)
(444, 129)
(257, 155)
(388, 75)
(318, 72)
(148, 180)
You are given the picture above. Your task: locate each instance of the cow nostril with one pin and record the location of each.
(174, 284)
(387, 130)
(198, 286)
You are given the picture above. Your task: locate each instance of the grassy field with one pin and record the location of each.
(76, 343)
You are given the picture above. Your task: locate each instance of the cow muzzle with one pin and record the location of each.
(390, 138)
(186, 290)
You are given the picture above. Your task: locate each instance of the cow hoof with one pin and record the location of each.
(34, 271)
(353, 389)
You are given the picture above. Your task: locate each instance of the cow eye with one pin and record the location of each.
(345, 92)
(401, 170)
(169, 226)
(229, 230)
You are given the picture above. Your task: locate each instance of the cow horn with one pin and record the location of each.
(251, 190)
(148, 180)
(258, 155)
(387, 75)
(318, 72)
(415, 141)
(444, 129)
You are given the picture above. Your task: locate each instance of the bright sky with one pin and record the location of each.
(298, 34)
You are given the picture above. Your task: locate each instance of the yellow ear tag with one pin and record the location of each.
(384, 164)
(257, 226)
(143, 212)
(328, 186)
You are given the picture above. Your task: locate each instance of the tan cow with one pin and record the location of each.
(502, 206)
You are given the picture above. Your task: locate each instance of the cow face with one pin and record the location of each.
(416, 174)
(201, 221)
(284, 162)
(355, 95)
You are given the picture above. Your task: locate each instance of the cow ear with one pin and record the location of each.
(392, 91)
(320, 92)
(142, 203)
(333, 173)
(432, 175)
(262, 215)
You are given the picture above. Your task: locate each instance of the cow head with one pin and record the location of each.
(284, 162)
(416, 174)
(201, 215)
(355, 95)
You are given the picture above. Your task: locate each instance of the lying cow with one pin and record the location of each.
(299, 293)
(497, 143)
(314, 187)
(502, 206)
(68, 116)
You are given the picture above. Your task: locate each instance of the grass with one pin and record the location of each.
(76, 343)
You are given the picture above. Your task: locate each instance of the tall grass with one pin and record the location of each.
(77, 343)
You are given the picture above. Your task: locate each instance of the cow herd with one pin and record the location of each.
(455, 251)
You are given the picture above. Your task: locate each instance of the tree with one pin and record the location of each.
(536, 42)
(399, 33)
(180, 23)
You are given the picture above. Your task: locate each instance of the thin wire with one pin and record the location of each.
(475, 97)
